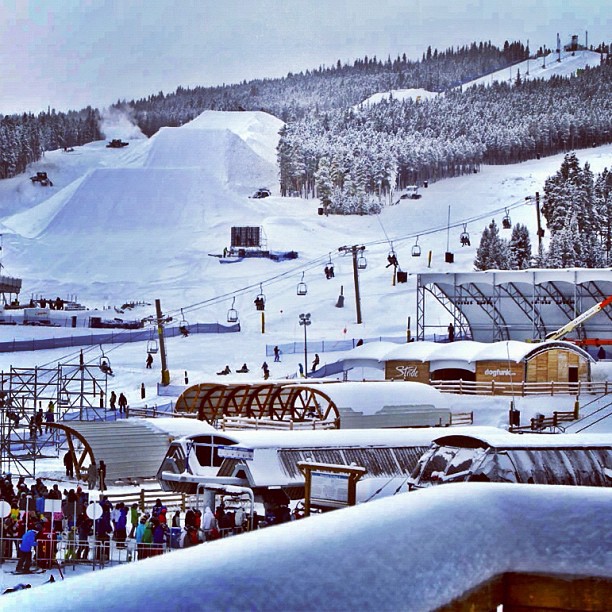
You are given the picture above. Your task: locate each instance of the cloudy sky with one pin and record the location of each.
(67, 54)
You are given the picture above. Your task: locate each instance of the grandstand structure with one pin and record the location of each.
(498, 305)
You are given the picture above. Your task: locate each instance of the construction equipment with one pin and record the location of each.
(42, 178)
(560, 333)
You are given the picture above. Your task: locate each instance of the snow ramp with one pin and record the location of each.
(223, 154)
(121, 199)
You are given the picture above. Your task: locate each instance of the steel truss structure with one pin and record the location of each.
(77, 392)
(515, 305)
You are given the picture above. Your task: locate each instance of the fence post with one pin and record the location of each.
(552, 387)
(142, 500)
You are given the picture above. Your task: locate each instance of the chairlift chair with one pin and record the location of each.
(232, 313)
(362, 262)
(183, 325)
(104, 363)
(302, 289)
(416, 249)
(260, 299)
(464, 238)
(506, 222)
(152, 346)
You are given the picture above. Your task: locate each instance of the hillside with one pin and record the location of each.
(144, 228)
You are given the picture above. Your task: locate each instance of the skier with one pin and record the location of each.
(113, 400)
(266, 370)
(149, 360)
(276, 353)
(315, 362)
(28, 542)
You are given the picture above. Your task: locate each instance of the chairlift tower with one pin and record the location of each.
(359, 263)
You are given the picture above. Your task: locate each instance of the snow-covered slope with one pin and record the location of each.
(542, 68)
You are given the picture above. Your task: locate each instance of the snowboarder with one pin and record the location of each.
(451, 332)
(276, 353)
(149, 360)
(113, 400)
(105, 367)
(315, 362)
(244, 369)
(266, 370)
(225, 371)
(122, 404)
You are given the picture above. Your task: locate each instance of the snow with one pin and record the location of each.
(139, 224)
(399, 95)
(415, 551)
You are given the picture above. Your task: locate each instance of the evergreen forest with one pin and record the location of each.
(353, 156)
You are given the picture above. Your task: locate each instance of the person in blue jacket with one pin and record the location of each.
(28, 542)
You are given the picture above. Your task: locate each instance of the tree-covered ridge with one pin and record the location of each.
(24, 138)
(328, 88)
(397, 143)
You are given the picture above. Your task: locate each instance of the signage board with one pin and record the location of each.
(325, 486)
(235, 452)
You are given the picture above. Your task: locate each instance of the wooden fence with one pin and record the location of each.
(522, 389)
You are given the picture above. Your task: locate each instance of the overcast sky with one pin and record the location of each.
(68, 54)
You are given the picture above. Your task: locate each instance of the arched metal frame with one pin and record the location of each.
(78, 458)
(276, 401)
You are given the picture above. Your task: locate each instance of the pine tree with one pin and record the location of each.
(520, 248)
(493, 252)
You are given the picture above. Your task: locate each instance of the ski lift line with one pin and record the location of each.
(311, 265)
(456, 224)
(315, 263)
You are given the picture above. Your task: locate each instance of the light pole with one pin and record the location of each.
(305, 321)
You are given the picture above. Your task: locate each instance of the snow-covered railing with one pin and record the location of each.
(254, 423)
(327, 346)
(521, 388)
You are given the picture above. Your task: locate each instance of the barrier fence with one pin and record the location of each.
(114, 337)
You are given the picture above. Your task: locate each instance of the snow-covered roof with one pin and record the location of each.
(498, 438)
(371, 397)
(466, 351)
(329, 438)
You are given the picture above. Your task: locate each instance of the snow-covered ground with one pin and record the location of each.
(139, 224)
